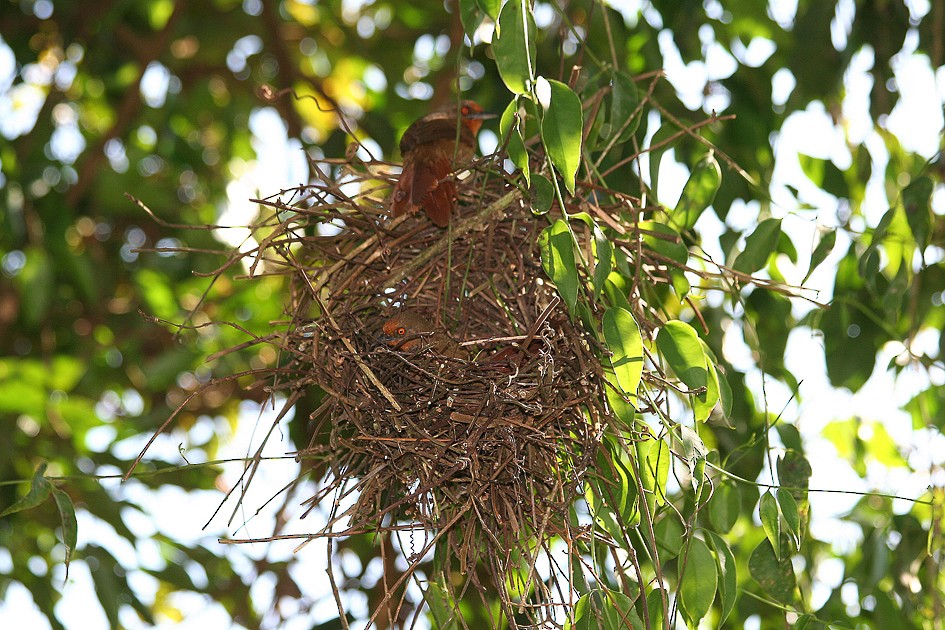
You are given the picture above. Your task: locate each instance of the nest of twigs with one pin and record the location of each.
(483, 453)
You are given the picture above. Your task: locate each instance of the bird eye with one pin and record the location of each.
(465, 110)
(401, 331)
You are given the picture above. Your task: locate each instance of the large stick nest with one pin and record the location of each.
(487, 451)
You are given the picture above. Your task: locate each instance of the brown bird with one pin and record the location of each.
(428, 148)
(409, 331)
(412, 332)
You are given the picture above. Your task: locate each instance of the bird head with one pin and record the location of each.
(471, 114)
(406, 330)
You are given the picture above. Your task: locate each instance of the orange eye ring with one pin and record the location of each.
(465, 110)
(401, 331)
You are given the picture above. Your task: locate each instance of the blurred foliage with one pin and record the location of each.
(162, 100)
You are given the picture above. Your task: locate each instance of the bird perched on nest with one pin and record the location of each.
(428, 148)
(410, 331)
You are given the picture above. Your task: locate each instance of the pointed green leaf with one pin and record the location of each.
(820, 253)
(917, 202)
(511, 129)
(728, 574)
(542, 194)
(776, 577)
(664, 240)
(791, 515)
(624, 341)
(699, 582)
(680, 346)
(759, 245)
(771, 521)
(490, 7)
(698, 193)
(561, 128)
(603, 259)
(724, 507)
(625, 99)
(470, 15)
(619, 613)
(38, 493)
(557, 259)
(514, 46)
(70, 528)
(653, 457)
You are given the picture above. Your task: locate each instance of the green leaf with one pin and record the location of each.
(441, 606)
(490, 7)
(699, 583)
(38, 493)
(758, 246)
(728, 574)
(604, 260)
(826, 175)
(917, 202)
(619, 613)
(561, 128)
(514, 46)
(704, 403)
(625, 100)
(791, 515)
(470, 15)
(794, 471)
(698, 193)
(542, 194)
(653, 457)
(557, 259)
(771, 521)
(70, 528)
(820, 253)
(510, 126)
(776, 577)
(669, 536)
(679, 344)
(624, 341)
(664, 240)
(724, 507)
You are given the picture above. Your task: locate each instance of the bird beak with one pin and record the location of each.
(482, 116)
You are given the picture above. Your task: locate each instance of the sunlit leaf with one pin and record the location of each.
(664, 240)
(792, 519)
(771, 521)
(654, 457)
(698, 193)
(603, 259)
(514, 46)
(759, 245)
(561, 128)
(626, 345)
(821, 251)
